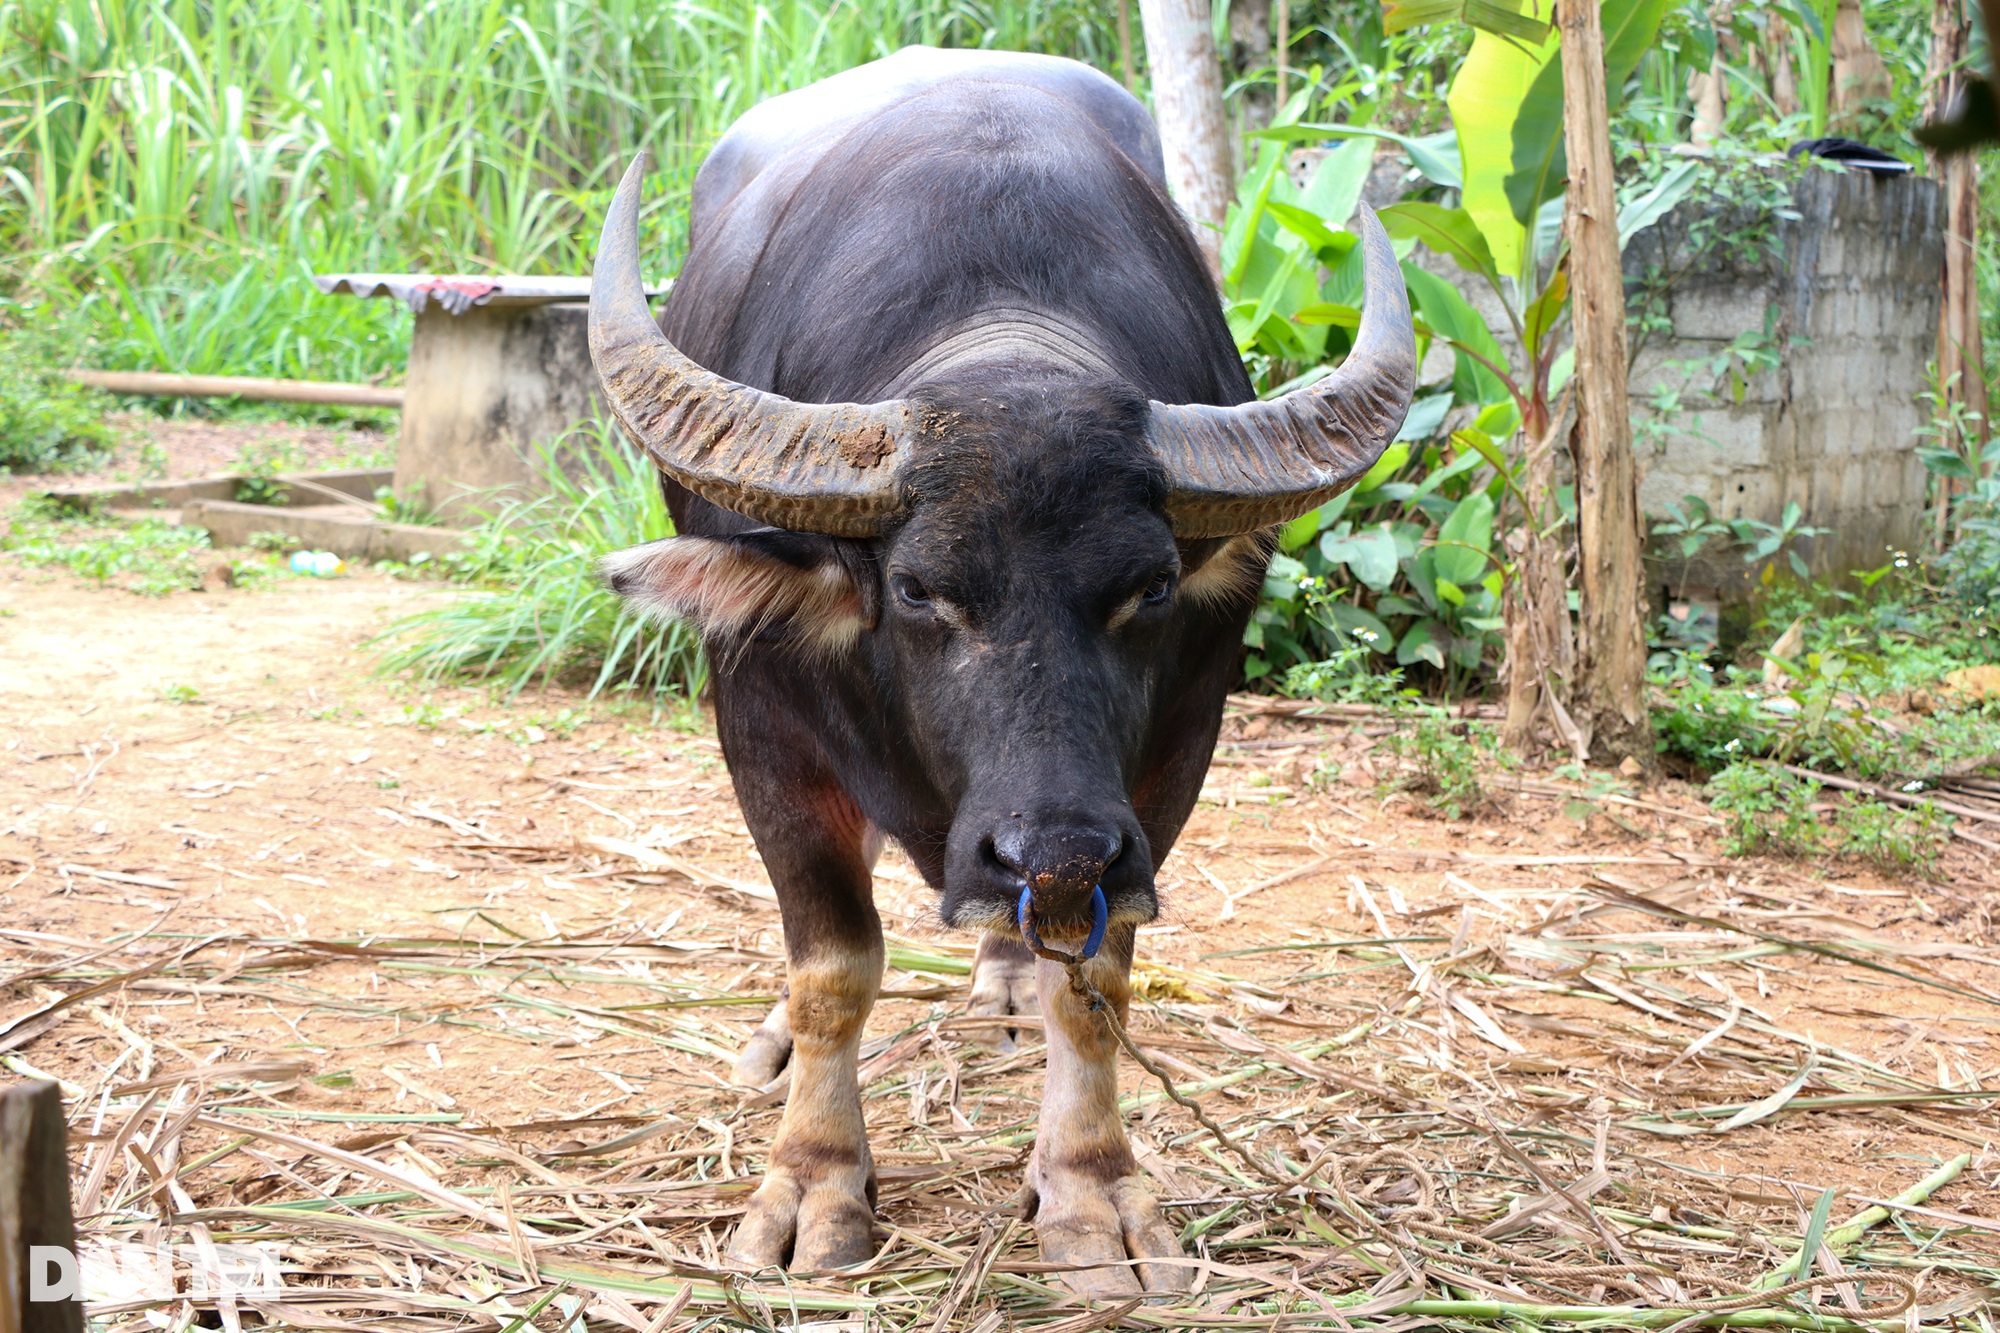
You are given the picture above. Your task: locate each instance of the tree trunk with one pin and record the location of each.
(1187, 103)
(1540, 662)
(1250, 51)
(1125, 43)
(1858, 73)
(1611, 659)
(1707, 92)
(1960, 358)
(1778, 55)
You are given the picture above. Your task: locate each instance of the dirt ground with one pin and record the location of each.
(476, 968)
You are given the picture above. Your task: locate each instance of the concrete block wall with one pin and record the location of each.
(1854, 290)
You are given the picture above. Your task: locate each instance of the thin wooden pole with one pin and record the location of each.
(148, 383)
(34, 1208)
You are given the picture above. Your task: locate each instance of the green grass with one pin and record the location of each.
(534, 610)
(171, 171)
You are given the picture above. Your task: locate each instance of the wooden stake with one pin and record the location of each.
(34, 1206)
(1610, 703)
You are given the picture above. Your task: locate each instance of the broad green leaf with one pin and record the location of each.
(1504, 18)
(1328, 312)
(1448, 231)
(1434, 155)
(1448, 312)
(1450, 593)
(1507, 104)
(1364, 627)
(1422, 642)
(1500, 420)
(1657, 202)
(1402, 15)
(1561, 369)
(1369, 554)
(1385, 467)
(1538, 165)
(1485, 99)
(1336, 184)
(1303, 224)
(1464, 540)
(1463, 463)
(1425, 416)
(1246, 216)
(1479, 442)
(1299, 531)
(1543, 312)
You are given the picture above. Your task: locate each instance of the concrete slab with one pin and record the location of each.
(304, 488)
(346, 530)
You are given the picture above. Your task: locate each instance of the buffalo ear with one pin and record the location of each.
(1218, 570)
(807, 589)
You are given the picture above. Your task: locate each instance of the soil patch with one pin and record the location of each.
(437, 991)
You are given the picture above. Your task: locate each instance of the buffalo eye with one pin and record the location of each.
(1161, 588)
(909, 592)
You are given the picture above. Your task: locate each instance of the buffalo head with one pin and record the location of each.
(1013, 565)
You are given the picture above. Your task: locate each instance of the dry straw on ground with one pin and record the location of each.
(1532, 1070)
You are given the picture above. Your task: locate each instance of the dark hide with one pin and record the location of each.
(1023, 682)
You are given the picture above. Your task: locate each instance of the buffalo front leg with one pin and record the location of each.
(816, 1206)
(1083, 1187)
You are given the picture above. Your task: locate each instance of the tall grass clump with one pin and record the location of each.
(535, 610)
(174, 170)
(48, 423)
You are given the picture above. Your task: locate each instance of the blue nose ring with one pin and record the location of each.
(1100, 917)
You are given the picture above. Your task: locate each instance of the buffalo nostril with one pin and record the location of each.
(1008, 848)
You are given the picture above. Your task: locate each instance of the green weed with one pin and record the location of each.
(258, 468)
(1446, 757)
(149, 557)
(1767, 811)
(1893, 837)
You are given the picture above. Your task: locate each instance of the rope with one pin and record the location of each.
(1410, 1229)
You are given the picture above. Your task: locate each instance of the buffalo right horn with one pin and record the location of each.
(831, 468)
(1237, 469)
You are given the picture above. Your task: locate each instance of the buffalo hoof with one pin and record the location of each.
(769, 1049)
(1003, 985)
(809, 1221)
(1081, 1219)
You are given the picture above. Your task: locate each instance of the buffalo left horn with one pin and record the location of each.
(831, 468)
(1237, 469)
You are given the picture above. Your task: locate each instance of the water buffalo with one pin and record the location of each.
(974, 499)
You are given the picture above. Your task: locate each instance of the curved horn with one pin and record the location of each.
(1237, 469)
(813, 467)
